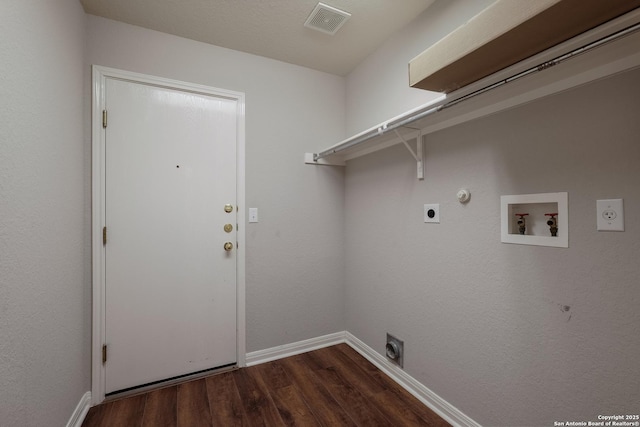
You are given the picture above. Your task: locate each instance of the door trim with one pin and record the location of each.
(99, 76)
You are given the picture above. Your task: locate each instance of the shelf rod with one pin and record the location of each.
(381, 130)
(417, 115)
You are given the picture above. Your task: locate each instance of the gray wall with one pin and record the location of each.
(44, 327)
(295, 254)
(484, 323)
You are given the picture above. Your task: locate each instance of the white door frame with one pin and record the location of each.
(100, 75)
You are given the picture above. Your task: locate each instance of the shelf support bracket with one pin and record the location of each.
(418, 155)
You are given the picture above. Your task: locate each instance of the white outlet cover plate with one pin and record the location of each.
(610, 215)
(436, 213)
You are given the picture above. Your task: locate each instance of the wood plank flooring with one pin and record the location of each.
(333, 386)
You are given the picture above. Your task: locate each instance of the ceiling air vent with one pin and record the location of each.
(327, 19)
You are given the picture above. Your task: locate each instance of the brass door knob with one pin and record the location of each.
(228, 208)
(228, 246)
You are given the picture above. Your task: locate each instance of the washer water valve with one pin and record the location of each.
(552, 222)
(522, 222)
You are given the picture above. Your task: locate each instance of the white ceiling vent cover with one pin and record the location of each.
(327, 19)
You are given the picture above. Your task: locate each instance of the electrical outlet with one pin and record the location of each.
(610, 215)
(432, 213)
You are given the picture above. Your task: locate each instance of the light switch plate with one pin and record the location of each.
(253, 214)
(610, 215)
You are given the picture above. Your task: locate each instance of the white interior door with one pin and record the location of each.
(170, 285)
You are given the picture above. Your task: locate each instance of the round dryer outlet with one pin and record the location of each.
(395, 350)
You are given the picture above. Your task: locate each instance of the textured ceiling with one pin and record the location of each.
(271, 28)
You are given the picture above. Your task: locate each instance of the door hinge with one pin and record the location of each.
(104, 353)
(104, 235)
(104, 118)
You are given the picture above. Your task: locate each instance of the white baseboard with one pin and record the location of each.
(281, 351)
(77, 418)
(440, 406)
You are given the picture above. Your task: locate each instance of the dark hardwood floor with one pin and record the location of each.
(333, 386)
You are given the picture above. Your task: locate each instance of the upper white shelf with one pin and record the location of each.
(611, 48)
